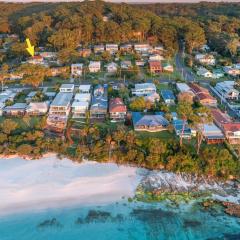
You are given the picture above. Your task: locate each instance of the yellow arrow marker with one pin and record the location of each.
(30, 48)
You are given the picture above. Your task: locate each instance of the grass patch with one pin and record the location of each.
(162, 135)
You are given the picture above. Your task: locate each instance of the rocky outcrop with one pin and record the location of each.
(164, 182)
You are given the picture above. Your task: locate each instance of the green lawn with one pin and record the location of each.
(162, 135)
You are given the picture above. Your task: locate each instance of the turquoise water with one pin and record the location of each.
(121, 221)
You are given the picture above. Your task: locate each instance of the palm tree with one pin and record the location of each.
(185, 112)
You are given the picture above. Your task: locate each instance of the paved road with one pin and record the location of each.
(185, 72)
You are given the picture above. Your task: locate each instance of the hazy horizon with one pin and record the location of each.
(127, 1)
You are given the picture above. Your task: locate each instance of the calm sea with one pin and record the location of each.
(122, 221)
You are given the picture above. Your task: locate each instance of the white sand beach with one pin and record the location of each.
(50, 183)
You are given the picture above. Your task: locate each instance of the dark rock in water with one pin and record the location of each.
(97, 216)
(191, 223)
(228, 236)
(79, 221)
(151, 214)
(232, 209)
(50, 223)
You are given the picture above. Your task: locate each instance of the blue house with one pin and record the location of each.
(178, 127)
(168, 97)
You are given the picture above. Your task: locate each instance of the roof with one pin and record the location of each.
(67, 85)
(17, 106)
(82, 97)
(211, 130)
(117, 105)
(85, 87)
(80, 104)
(38, 105)
(62, 99)
(183, 87)
(155, 64)
(167, 94)
(231, 127)
(219, 117)
(139, 86)
(140, 119)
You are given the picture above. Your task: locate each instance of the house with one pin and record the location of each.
(126, 64)
(17, 109)
(212, 134)
(203, 96)
(117, 109)
(36, 60)
(168, 97)
(226, 90)
(85, 88)
(98, 90)
(99, 105)
(94, 66)
(155, 66)
(99, 48)
(67, 88)
(112, 67)
(59, 111)
(140, 63)
(183, 87)
(153, 97)
(156, 57)
(30, 96)
(232, 71)
(50, 95)
(144, 89)
(79, 109)
(126, 47)
(232, 132)
(7, 95)
(149, 122)
(220, 118)
(168, 68)
(83, 97)
(37, 108)
(142, 48)
(98, 109)
(218, 73)
(158, 49)
(76, 70)
(85, 52)
(112, 48)
(204, 72)
(205, 59)
(181, 128)
(48, 55)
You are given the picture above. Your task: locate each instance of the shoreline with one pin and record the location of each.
(53, 183)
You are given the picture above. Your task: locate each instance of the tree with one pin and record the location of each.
(33, 74)
(185, 111)
(8, 126)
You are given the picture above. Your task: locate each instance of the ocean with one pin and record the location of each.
(122, 220)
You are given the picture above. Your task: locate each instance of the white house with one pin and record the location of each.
(183, 87)
(99, 48)
(112, 67)
(85, 88)
(144, 89)
(94, 66)
(79, 109)
(141, 48)
(226, 90)
(83, 97)
(67, 88)
(37, 108)
(112, 48)
(204, 72)
(76, 69)
(156, 57)
(206, 59)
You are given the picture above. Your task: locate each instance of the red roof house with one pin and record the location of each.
(155, 66)
(117, 109)
(232, 132)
